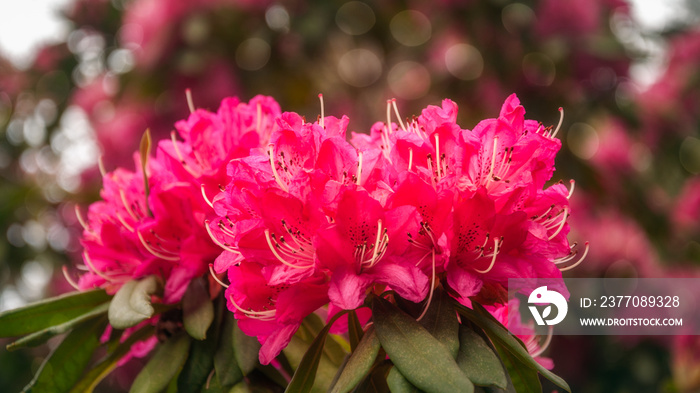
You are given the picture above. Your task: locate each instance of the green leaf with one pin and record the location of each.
(418, 355)
(199, 365)
(132, 303)
(225, 363)
(523, 378)
(332, 349)
(63, 368)
(93, 377)
(354, 329)
(478, 361)
(49, 312)
(163, 366)
(271, 373)
(359, 364)
(441, 321)
(398, 383)
(41, 336)
(296, 351)
(197, 309)
(212, 386)
(500, 335)
(245, 350)
(241, 388)
(303, 379)
(375, 382)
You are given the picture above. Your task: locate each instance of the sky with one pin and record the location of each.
(26, 24)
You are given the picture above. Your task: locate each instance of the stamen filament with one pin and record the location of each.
(573, 185)
(270, 152)
(278, 256)
(430, 169)
(126, 205)
(323, 113)
(585, 253)
(180, 156)
(88, 262)
(375, 251)
(424, 256)
(561, 226)
(359, 167)
(211, 271)
(72, 283)
(493, 161)
(388, 115)
(493, 259)
(262, 315)
(219, 243)
(561, 120)
(81, 220)
(101, 166)
(437, 155)
(432, 289)
(174, 257)
(124, 223)
(190, 102)
(396, 110)
(206, 199)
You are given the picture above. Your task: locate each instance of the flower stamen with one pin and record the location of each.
(271, 154)
(437, 155)
(80, 218)
(213, 274)
(261, 315)
(585, 253)
(573, 185)
(396, 110)
(432, 289)
(323, 113)
(561, 225)
(225, 246)
(359, 167)
(561, 120)
(190, 101)
(493, 258)
(274, 248)
(148, 246)
(68, 278)
(206, 199)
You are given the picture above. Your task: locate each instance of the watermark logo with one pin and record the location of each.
(543, 296)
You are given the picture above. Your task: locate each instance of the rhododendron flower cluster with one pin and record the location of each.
(314, 219)
(133, 233)
(298, 217)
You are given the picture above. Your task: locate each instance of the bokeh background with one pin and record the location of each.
(80, 81)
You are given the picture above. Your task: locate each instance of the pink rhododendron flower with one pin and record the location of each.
(133, 233)
(409, 204)
(130, 235)
(271, 311)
